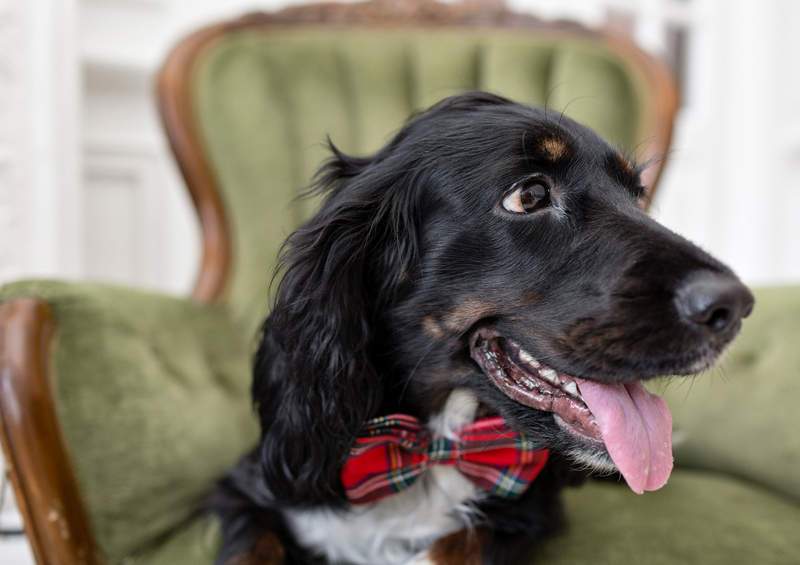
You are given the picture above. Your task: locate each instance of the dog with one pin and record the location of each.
(491, 265)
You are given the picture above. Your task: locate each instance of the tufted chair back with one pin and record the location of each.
(259, 97)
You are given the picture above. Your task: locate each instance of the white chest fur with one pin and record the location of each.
(394, 530)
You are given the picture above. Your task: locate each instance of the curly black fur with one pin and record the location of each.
(409, 253)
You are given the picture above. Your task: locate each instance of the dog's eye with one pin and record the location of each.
(528, 196)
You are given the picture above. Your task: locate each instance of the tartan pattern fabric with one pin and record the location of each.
(391, 452)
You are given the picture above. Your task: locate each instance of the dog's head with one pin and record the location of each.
(496, 247)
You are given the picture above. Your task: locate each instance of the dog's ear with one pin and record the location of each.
(315, 380)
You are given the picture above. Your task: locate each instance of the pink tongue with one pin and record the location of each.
(637, 431)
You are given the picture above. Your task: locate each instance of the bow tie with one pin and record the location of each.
(391, 452)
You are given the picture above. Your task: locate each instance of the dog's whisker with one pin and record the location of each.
(568, 104)
(524, 149)
(719, 369)
(549, 94)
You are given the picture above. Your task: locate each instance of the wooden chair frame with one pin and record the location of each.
(48, 495)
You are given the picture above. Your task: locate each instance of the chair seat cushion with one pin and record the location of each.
(152, 395)
(698, 518)
(194, 543)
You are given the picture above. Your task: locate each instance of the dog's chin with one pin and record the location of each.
(530, 382)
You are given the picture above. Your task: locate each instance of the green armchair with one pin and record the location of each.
(119, 408)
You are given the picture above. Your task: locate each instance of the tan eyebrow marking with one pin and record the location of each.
(554, 148)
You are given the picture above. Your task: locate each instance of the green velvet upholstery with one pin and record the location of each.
(266, 101)
(195, 543)
(152, 391)
(152, 394)
(699, 518)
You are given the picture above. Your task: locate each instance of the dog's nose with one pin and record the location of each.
(712, 300)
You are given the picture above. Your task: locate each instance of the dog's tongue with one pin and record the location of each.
(637, 430)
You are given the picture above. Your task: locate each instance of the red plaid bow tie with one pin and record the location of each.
(391, 452)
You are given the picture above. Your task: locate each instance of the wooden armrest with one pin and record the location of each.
(39, 467)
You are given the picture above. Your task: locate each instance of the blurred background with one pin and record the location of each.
(88, 188)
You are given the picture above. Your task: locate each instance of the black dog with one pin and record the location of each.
(492, 259)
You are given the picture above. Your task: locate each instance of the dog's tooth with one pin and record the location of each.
(525, 356)
(549, 374)
(571, 388)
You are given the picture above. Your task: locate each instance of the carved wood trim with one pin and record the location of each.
(174, 94)
(39, 466)
(176, 106)
(662, 103)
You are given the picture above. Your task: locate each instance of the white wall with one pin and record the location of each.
(39, 126)
(734, 177)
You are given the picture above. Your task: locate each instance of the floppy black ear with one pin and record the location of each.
(315, 380)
